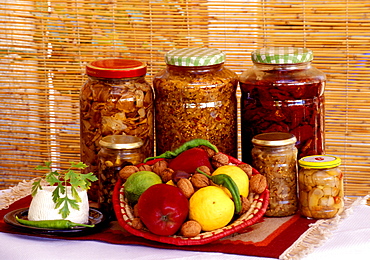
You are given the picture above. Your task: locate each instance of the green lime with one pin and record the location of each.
(137, 183)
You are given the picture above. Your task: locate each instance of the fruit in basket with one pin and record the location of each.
(190, 160)
(239, 177)
(211, 207)
(163, 209)
(139, 182)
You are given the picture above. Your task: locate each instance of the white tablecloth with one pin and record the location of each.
(351, 240)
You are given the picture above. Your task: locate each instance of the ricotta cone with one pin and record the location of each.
(42, 206)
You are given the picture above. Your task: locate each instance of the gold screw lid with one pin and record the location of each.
(274, 139)
(121, 142)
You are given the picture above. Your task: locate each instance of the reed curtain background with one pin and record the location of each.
(45, 45)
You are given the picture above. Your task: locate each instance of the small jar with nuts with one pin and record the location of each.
(275, 156)
(117, 151)
(320, 185)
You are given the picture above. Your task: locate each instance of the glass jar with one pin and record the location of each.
(275, 156)
(117, 151)
(320, 186)
(115, 100)
(283, 92)
(196, 98)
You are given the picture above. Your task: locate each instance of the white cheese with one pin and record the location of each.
(42, 206)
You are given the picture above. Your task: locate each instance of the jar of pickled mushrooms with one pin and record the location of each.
(116, 99)
(116, 152)
(275, 156)
(196, 98)
(283, 92)
(320, 186)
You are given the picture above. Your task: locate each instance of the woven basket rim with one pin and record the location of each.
(124, 216)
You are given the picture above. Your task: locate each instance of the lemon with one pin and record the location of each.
(211, 207)
(137, 183)
(239, 177)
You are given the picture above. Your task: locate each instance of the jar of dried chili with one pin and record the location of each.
(283, 92)
(116, 99)
(116, 152)
(196, 98)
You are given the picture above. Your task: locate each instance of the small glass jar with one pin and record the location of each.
(196, 98)
(115, 100)
(320, 186)
(117, 151)
(275, 156)
(283, 92)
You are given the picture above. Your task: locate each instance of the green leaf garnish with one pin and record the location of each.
(69, 177)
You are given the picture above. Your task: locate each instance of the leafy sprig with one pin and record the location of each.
(69, 177)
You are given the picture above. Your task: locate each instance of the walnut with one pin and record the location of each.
(210, 152)
(246, 204)
(205, 169)
(190, 228)
(126, 171)
(186, 187)
(166, 174)
(145, 167)
(159, 166)
(258, 183)
(219, 159)
(199, 180)
(136, 211)
(137, 224)
(246, 168)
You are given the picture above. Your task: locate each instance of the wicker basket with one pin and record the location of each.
(124, 214)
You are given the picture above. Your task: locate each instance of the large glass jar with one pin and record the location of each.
(320, 185)
(283, 92)
(196, 98)
(115, 100)
(116, 152)
(275, 156)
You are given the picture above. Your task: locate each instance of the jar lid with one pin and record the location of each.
(121, 142)
(194, 57)
(116, 68)
(282, 55)
(274, 139)
(319, 161)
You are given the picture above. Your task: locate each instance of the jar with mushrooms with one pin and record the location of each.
(320, 185)
(115, 100)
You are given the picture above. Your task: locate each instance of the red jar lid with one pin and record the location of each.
(116, 68)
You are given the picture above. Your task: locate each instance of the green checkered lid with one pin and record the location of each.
(194, 57)
(282, 55)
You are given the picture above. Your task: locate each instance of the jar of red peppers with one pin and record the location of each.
(196, 98)
(115, 100)
(283, 92)
(116, 152)
(320, 185)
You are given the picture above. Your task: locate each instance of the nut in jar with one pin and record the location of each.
(275, 156)
(320, 185)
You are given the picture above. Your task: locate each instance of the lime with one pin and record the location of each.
(239, 177)
(211, 207)
(137, 183)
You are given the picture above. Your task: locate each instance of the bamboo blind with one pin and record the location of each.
(45, 45)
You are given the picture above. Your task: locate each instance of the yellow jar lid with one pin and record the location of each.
(274, 139)
(121, 142)
(319, 161)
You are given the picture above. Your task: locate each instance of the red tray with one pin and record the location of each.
(124, 214)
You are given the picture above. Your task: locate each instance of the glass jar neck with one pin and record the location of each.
(294, 66)
(198, 69)
(140, 78)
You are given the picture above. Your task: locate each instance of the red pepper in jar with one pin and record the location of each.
(283, 92)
